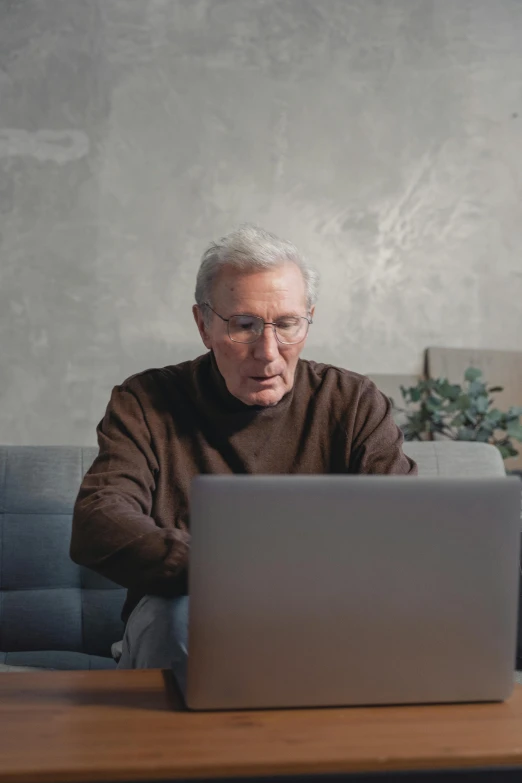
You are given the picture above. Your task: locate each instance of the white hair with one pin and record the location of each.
(248, 248)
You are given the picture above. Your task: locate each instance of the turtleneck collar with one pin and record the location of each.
(230, 404)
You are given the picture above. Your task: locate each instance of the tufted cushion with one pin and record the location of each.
(53, 659)
(459, 459)
(53, 613)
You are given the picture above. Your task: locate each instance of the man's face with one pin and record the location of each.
(259, 373)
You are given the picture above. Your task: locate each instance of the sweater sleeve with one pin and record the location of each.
(113, 532)
(377, 440)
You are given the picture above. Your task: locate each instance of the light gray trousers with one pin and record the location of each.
(156, 634)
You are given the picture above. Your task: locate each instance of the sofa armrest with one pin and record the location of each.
(459, 459)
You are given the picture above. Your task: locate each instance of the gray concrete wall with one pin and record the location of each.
(384, 138)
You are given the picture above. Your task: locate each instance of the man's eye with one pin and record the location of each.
(244, 323)
(287, 323)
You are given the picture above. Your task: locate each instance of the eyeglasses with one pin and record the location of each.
(289, 329)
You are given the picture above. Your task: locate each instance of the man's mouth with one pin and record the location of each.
(263, 378)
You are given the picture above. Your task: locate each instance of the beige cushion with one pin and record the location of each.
(455, 458)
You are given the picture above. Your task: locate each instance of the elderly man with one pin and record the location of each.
(248, 405)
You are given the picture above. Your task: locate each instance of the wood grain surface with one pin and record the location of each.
(130, 725)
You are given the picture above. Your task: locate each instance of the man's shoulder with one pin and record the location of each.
(332, 377)
(348, 395)
(171, 377)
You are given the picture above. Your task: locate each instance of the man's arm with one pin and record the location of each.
(377, 440)
(113, 532)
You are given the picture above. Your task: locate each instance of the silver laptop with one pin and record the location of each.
(309, 591)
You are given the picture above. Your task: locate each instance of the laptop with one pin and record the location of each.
(317, 591)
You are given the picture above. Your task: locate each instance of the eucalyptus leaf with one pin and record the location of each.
(460, 414)
(482, 404)
(432, 404)
(472, 373)
(466, 433)
(444, 388)
(476, 388)
(494, 416)
(451, 407)
(514, 430)
(512, 451)
(463, 402)
(457, 421)
(454, 391)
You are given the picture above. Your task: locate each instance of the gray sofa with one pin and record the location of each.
(56, 614)
(53, 613)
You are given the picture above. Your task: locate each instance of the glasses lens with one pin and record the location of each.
(291, 329)
(245, 328)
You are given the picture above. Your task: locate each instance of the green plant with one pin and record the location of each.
(438, 407)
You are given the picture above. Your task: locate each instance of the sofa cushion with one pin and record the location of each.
(455, 459)
(52, 659)
(47, 602)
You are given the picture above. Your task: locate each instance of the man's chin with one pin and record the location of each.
(265, 397)
(266, 401)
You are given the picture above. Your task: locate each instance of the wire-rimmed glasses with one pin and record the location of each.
(245, 328)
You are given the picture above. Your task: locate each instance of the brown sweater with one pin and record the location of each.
(164, 426)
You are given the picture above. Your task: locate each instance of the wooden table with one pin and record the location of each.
(130, 725)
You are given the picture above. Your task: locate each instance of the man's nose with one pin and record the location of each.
(266, 346)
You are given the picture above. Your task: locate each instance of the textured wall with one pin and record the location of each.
(384, 138)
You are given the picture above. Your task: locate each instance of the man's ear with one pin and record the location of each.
(202, 328)
(312, 311)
